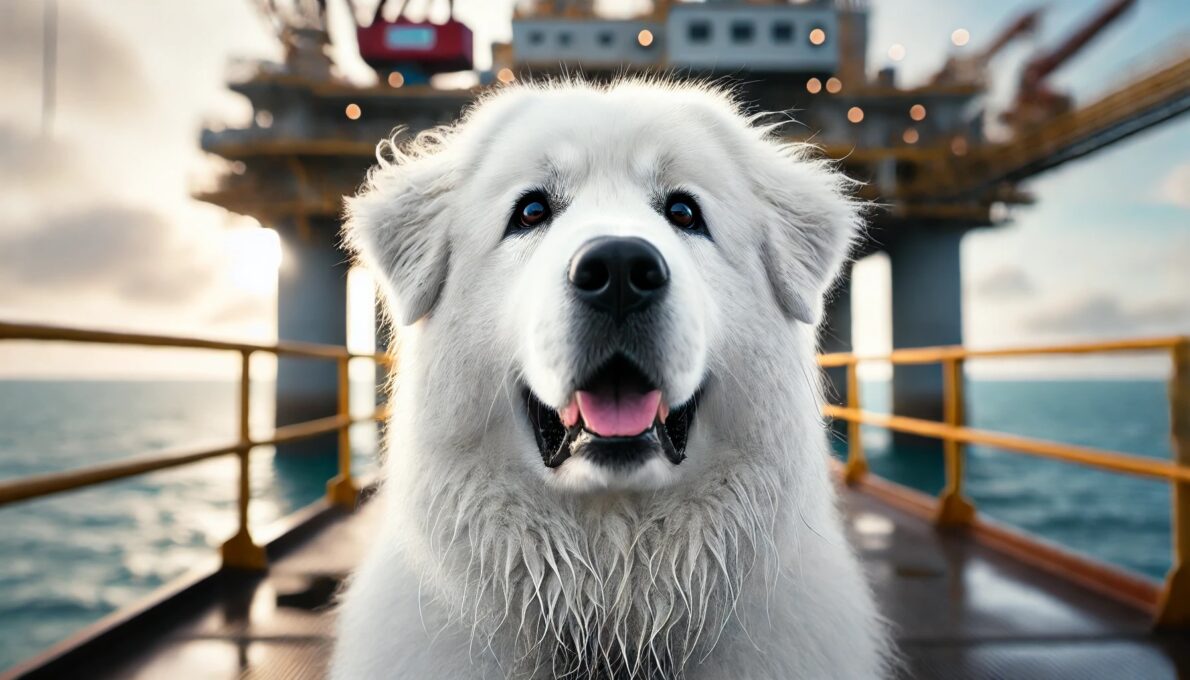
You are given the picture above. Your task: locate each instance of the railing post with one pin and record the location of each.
(857, 463)
(1173, 609)
(341, 489)
(954, 510)
(240, 552)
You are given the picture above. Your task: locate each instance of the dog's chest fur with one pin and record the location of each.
(568, 663)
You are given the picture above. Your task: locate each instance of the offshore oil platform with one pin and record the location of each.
(974, 600)
(922, 152)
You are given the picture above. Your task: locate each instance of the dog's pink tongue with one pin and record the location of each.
(625, 416)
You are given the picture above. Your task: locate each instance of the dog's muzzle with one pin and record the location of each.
(617, 416)
(616, 419)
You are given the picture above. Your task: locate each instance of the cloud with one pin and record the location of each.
(243, 309)
(1005, 283)
(31, 159)
(1102, 315)
(126, 252)
(39, 174)
(65, 236)
(1175, 188)
(96, 70)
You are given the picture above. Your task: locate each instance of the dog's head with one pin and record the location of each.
(594, 253)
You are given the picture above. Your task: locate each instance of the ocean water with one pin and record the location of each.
(1119, 519)
(67, 560)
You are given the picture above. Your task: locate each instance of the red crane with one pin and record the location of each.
(1035, 100)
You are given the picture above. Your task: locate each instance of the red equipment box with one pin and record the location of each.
(433, 48)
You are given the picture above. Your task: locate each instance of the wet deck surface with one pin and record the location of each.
(278, 628)
(959, 610)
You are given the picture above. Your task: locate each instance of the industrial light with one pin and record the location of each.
(353, 111)
(960, 37)
(917, 112)
(958, 146)
(814, 86)
(505, 75)
(645, 37)
(396, 79)
(264, 119)
(896, 52)
(817, 36)
(910, 136)
(834, 85)
(855, 114)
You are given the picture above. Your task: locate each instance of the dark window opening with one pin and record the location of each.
(564, 39)
(606, 38)
(700, 31)
(742, 31)
(536, 38)
(782, 32)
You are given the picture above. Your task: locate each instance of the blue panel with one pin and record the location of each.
(410, 38)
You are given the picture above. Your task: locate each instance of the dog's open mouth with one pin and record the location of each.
(617, 418)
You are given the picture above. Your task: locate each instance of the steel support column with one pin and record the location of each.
(927, 310)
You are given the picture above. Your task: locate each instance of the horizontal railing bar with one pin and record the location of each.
(285, 434)
(933, 355)
(1105, 460)
(39, 486)
(17, 331)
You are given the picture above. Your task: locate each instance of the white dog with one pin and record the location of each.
(606, 458)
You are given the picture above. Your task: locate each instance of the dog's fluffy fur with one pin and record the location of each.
(733, 564)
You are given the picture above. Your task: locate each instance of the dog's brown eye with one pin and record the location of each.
(531, 211)
(682, 212)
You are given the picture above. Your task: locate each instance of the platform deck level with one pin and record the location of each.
(958, 610)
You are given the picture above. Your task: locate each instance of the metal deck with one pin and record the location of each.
(959, 610)
(963, 610)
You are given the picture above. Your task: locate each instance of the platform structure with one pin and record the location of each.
(957, 610)
(921, 153)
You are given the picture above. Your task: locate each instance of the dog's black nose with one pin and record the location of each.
(618, 275)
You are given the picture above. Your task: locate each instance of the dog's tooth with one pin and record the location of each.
(569, 413)
(663, 411)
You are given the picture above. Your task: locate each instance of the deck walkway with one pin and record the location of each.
(960, 611)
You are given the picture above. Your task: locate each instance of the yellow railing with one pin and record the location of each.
(953, 509)
(956, 510)
(240, 551)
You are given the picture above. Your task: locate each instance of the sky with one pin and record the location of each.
(97, 227)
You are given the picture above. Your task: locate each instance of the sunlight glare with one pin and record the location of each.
(361, 321)
(871, 312)
(254, 258)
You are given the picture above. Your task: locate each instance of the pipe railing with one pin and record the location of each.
(240, 551)
(954, 509)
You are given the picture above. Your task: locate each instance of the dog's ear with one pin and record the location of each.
(397, 225)
(811, 227)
